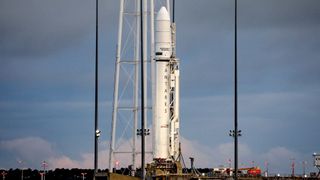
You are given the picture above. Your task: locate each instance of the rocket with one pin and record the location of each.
(166, 110)
(163, 51)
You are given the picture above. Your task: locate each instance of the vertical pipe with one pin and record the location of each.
(303, 168)
(168, 6)
(173, 29)
(153, 80)
(142, 93)
(145, 61)
(177, 111)
(136, 84)
(96, 95)
(173, 10)
(235, 95)
(116, 87)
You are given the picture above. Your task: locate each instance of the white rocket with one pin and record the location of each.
(166, 108)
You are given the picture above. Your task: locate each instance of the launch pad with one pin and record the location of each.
(162, 168)
(166, 120)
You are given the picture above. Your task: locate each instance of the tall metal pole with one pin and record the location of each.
(292, 167)
(173, 10)
(168, 6)
(96, 132)
(304, 168)
(44, 164)
(142, 93)
(136, 86)
(145, 51)
(235, 95)
(116, 87)
(21, 165)
(153, 75)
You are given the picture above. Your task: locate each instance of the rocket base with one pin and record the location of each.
(165, 169)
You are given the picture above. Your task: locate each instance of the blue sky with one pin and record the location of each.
(47, 81)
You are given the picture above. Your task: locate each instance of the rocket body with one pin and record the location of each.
(166, 109)
(163, 51)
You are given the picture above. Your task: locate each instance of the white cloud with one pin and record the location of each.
(277, 153)
(280, 159)
(30, 149)
(86, 161)
(33, 150)
(64, 161)
(206, 156)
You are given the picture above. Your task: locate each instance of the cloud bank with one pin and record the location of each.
(33, 150)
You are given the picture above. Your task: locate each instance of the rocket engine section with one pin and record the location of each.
(166, 110)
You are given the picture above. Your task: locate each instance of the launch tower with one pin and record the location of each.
(163, 80)
(125, 111)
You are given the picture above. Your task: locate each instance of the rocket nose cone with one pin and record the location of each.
(163, 14)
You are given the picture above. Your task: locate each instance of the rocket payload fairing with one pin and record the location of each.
(166, 109)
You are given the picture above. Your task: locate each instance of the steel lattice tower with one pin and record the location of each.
(126, 107)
